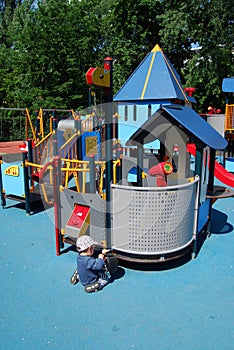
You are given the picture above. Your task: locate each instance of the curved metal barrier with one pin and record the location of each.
(154, 220)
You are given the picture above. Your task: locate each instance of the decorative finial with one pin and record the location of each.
(156, 48)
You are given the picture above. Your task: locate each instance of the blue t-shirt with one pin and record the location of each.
(89, 269)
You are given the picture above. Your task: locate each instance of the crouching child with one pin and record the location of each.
(91, 271)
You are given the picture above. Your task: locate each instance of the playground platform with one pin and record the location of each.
(185, 305)
(9, 147)
(10, 151)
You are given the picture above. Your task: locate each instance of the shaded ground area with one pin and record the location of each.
(189, 306)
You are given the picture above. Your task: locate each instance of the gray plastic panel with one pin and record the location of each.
(97, 212)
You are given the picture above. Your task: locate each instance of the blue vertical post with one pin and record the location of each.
(37, 125)
(198, 171)
(54, 120)
(30, 159)
(57, 204)
(140, 152)
(55, 147)
(77, 124)
(55, 141)
(119, 168)
(108, 66)
(210, 187)
(92, 174)
(211, 171)
(199, 164)
(3, 199)
(89, 97)
(78, 128)
(26, 184)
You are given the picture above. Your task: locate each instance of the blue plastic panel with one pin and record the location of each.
(228, 85)
(91, 139)
(13, 178)
(203, 214)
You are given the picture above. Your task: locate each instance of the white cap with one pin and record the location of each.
(84, 242)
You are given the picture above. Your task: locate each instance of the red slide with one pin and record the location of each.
(220, 172)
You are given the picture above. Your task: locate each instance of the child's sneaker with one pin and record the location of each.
(103, 281)
(74, 278)
(90, 288)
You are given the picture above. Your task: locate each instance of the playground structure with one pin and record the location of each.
(139, 220)
(136, 174)
(16, 176)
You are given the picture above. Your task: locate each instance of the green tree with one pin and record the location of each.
(211, 25)
(129, 31)
(51, 45)
(45, 50)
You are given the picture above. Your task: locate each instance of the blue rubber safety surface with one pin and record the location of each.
(187, 307)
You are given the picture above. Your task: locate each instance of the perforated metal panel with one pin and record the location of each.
(153, 220)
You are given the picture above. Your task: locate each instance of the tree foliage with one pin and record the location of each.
(45, 49)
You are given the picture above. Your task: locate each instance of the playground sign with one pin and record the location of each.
(12, 170)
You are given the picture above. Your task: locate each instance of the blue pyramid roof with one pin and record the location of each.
(154, 79)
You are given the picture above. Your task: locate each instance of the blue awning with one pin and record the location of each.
(183, 117)
(228, 85)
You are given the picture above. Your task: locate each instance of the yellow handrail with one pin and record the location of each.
(74, 167)
(40, 117)
(45, 195)
(115, 164)
(69, 140)
(28, 119)
(44, 139)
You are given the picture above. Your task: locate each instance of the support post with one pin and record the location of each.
(108, 65)
(57, 206)
(55, 141)
(195, 243)
(139, 164)
(198, 171)
(119, 168)
(92, 174)
(211, 171)
(30, 159)
(37, 125)
(78, 127)
(162, 151)
(3, 199)
(77, 124)
(210, 187)
(26, 184)
(199, 164)
(54, 121)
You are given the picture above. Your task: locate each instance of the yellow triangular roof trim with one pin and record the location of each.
(156, 48)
